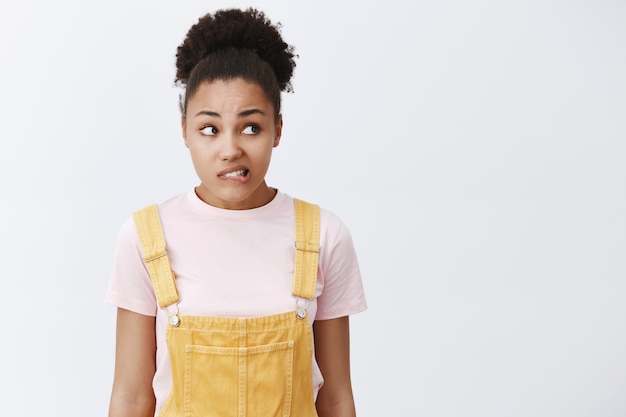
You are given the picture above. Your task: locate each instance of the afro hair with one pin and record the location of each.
(240, 29)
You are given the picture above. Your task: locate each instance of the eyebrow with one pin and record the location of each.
(244, 113)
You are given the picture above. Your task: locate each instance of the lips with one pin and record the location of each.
(239, 173)
(242, 172)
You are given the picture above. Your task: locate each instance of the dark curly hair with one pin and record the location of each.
(234, 43)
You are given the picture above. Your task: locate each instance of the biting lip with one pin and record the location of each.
(233, 172)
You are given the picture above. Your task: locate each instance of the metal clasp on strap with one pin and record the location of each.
(172, 316)
(301, 310)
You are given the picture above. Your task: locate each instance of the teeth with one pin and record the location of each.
(235, 173)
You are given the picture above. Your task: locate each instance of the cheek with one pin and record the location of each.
(200, 153)
(264, 152)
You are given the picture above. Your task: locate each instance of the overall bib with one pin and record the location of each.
(238, 367)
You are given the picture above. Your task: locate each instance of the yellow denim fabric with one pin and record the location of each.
(238, 367)
(148, 225)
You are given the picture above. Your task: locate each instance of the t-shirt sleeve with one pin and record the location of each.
(130, 286)
(342, 288)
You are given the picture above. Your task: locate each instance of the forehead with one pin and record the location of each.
(229, 95)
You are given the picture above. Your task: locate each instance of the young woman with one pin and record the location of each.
(233, 298)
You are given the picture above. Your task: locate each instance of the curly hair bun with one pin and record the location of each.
(234, 28)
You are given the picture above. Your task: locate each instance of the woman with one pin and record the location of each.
(233, 298)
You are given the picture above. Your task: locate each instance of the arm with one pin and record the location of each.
(135, 351)
(332, 351)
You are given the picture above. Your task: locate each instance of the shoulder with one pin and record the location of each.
(127, 233)
(170, 208)
(333, 230)
(171, 205)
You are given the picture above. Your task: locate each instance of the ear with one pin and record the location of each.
(279, 130)
(183, 126)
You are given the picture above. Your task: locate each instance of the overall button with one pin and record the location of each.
(301, 313)
(174, 320)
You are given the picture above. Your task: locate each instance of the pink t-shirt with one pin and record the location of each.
(234, 263)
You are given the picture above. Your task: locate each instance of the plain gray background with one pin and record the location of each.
(475, 150)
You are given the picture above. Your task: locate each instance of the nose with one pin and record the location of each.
(230, 148)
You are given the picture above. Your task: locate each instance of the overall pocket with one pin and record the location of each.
(238, 382)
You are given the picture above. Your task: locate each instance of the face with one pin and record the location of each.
(230, 130)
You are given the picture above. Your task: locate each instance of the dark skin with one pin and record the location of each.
(332, 352)
(132, 394)
(135, 358)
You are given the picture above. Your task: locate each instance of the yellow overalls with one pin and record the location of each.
(239, 367)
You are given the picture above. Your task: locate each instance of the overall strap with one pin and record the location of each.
(150, 233)
(307, 248)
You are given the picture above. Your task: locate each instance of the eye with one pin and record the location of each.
(250, 130)
(209, 130)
